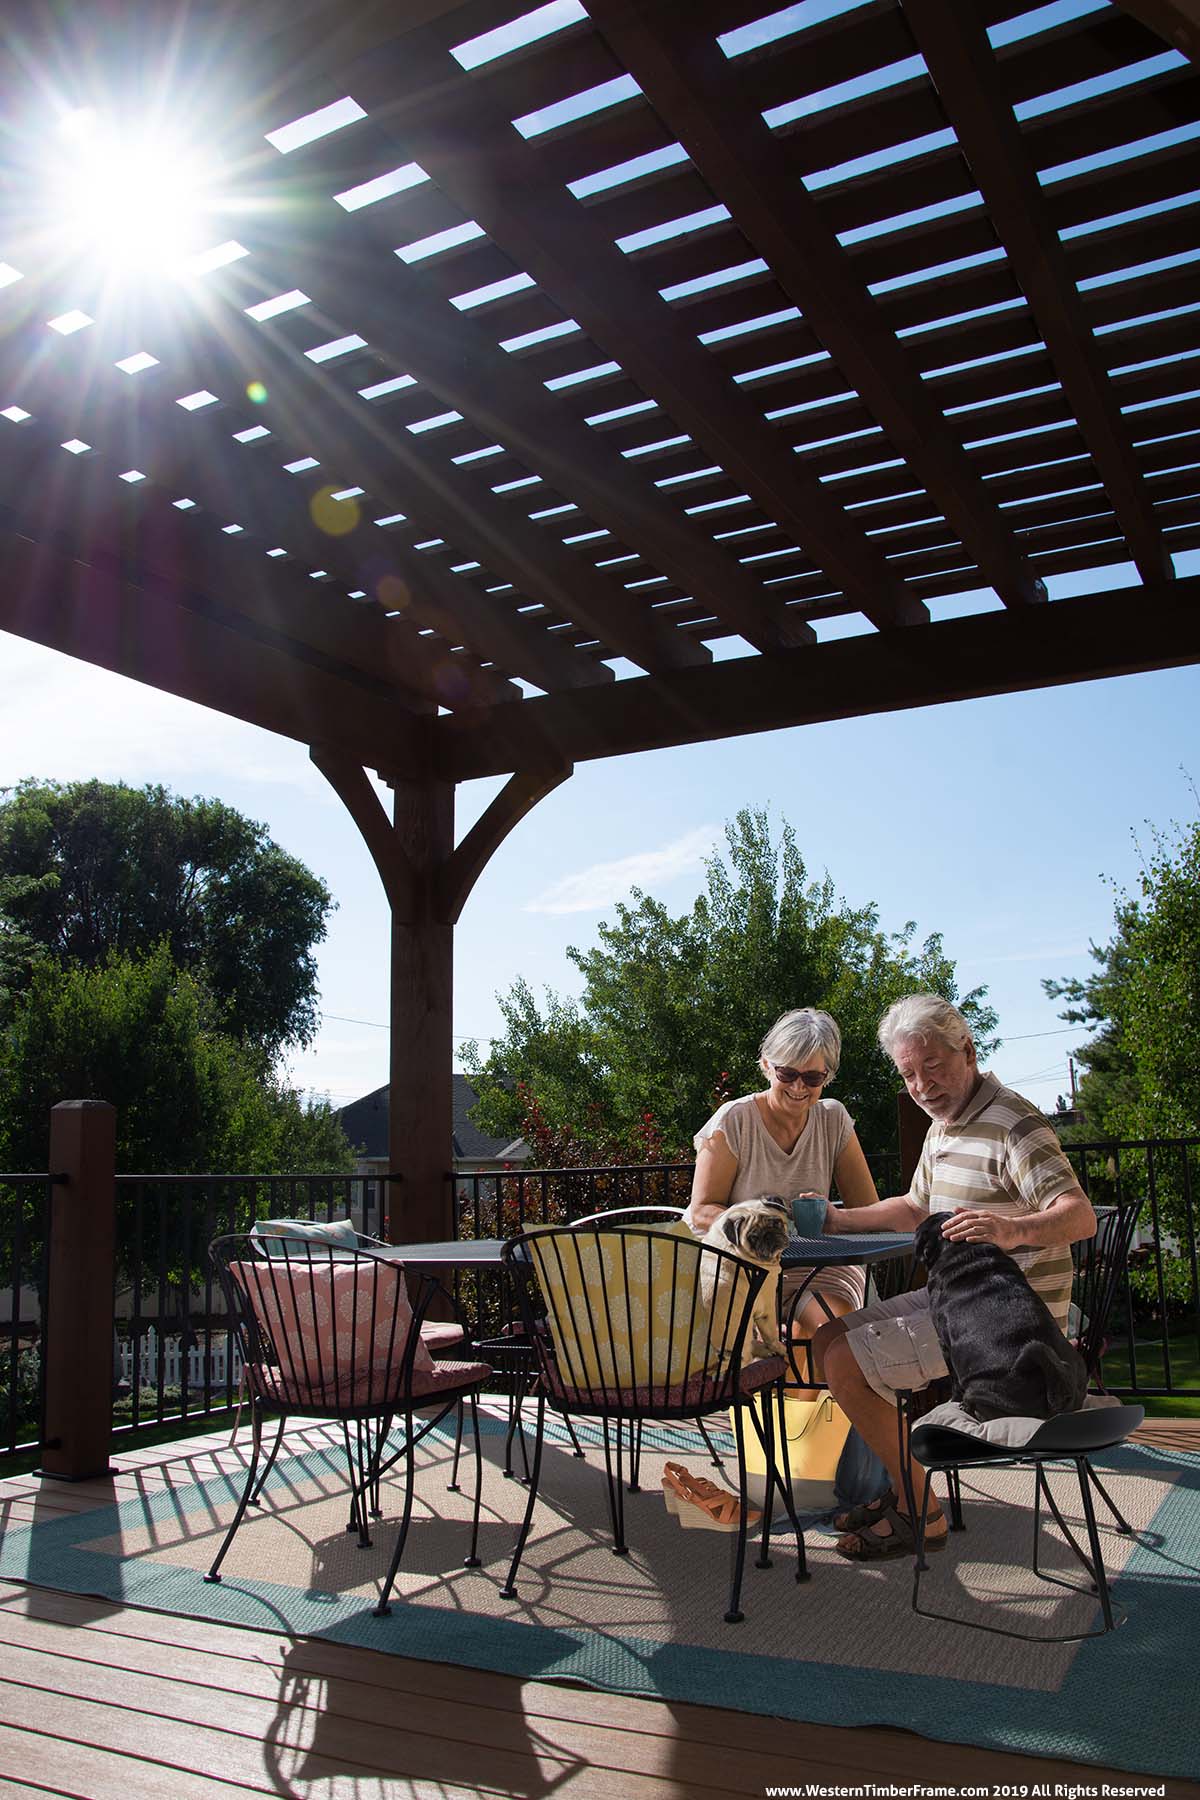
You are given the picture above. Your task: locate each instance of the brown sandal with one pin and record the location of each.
(867, 1547)
(700, 1504)
(865, 1513)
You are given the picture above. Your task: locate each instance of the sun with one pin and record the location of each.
(132, 200)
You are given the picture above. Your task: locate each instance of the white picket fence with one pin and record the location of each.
(168, 1352)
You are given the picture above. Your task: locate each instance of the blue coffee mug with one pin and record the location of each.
(808, 1214)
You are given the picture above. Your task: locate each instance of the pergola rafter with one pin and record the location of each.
(650, 331)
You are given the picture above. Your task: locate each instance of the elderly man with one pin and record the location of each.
(993, 1165)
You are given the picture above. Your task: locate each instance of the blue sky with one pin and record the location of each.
(994, 821)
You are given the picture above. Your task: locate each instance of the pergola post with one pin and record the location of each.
(78, 1346)
(427, 879)
(420, 1090)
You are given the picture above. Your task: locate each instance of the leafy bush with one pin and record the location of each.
(1177, 1289)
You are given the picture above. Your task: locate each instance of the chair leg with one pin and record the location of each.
(616, 1498)
(509, 1590)
(785, 1488)
(735, 1615)
(1121, 1522)
(270, 1462)
(472, 1561)
(214, 1573)
(954, 1500)
(452, 1484)
(767, 1436)
(577, 1448)
(635, 1456)
(382, 1610)
(718, 1461)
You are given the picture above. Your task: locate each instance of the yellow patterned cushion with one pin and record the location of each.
(625, 1311)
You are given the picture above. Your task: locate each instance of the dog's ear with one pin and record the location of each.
(732, 1228)
(928, 1241)
(779, 1204)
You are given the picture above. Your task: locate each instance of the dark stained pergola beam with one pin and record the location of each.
(195, 455)
(83, 509)
(954, 43)
(462, 136)
(702, 97)
(136, 629)
(363, 451)
(401, 313)
(1082, 639)
(1178, 21)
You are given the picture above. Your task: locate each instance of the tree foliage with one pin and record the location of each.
(91, 869)
(141, 1034)
(1142, 1068)
(674, 1007)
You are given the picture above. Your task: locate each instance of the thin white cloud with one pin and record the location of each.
(603, 883)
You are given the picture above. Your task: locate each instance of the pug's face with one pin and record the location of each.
(757, 1229)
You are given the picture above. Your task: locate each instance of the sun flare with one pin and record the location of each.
(132, 200)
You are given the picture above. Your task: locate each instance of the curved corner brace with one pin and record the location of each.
(462, 869)
(350, 783)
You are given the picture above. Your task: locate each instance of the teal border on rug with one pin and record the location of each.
(1098, 1715)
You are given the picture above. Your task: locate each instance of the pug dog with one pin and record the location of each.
(1006, 1356)
(758, 1231)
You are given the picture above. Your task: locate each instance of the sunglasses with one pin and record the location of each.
(812, 1078)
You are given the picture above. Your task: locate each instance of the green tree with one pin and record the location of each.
(1142, 1069)
(92, 868)
(674, 1007)
(141, 1034)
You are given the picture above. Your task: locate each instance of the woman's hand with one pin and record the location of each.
(973, 1225)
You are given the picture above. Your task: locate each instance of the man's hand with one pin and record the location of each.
(972, 1225)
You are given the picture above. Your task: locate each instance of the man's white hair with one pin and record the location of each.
(924, 1016)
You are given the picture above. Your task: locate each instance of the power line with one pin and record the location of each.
(460, 1037)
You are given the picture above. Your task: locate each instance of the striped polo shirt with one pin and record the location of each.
(1002, 1154)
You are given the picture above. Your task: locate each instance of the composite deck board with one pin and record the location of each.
(100, 1700)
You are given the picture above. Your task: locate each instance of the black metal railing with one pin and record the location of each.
(175, 1357)
(24, 1291)
(1154, 1336)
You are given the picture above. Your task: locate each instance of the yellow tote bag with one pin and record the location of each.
(816, 1436)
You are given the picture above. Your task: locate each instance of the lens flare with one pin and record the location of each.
(333, 516)
(256, 392)
(393, 594)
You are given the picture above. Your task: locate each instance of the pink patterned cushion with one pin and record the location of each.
(700, 1389)
(335, 1325)
(439, 1335)
(283, 1388)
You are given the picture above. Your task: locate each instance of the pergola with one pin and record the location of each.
(537, 357)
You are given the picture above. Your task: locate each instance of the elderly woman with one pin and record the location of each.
(791, 1141)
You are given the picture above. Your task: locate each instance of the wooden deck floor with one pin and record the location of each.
(99, 1700)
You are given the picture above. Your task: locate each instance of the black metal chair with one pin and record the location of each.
(1072, 1438)
(327, 1332)
(624, 1332)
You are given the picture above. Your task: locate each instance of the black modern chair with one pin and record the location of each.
(1071, 1438)
(333, 1333)
(623, 1333)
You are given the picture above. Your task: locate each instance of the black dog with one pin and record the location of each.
(1007, 1358)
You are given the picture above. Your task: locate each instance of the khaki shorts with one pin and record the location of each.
(895, 1345)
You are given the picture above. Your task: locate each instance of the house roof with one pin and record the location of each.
(365, 1123)
(614, 339)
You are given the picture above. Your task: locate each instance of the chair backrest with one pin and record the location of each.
(1100, 1263)
(637, 1320)
(657, 1217)
(322, 1326)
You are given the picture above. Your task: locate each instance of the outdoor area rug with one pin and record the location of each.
(843, 1648)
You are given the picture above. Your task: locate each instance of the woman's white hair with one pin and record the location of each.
(796, 1036)
(924, 1016)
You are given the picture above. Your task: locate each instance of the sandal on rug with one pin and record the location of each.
(867, 1547)
(699, 1504)
(865, 1513)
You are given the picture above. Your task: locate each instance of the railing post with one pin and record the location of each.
(913, 1125)
(79, 1353)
